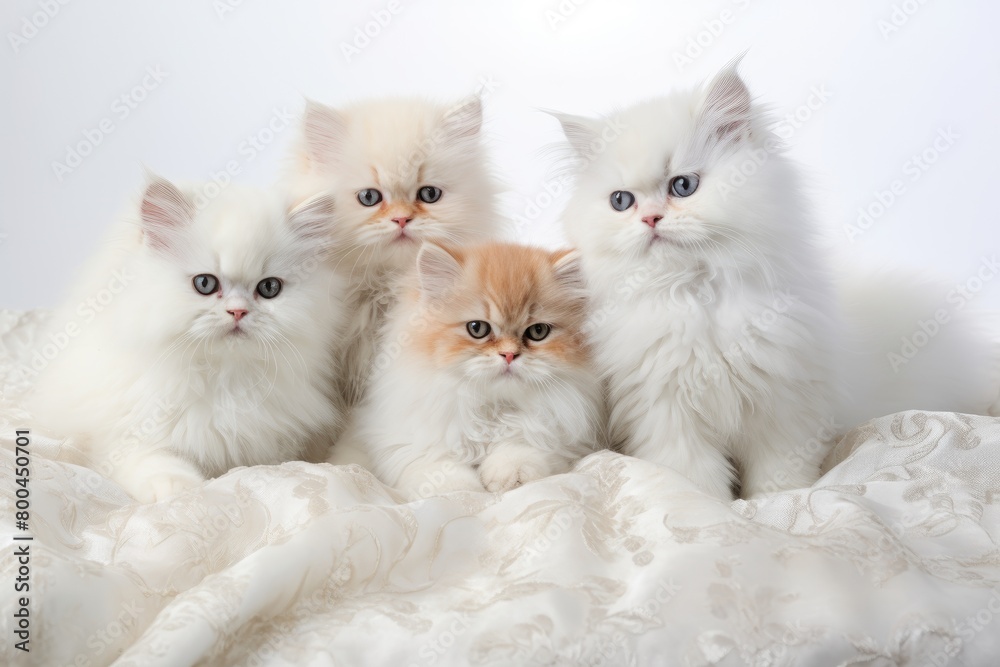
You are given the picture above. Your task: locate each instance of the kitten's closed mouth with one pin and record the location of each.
(402, 237)
(666, 239)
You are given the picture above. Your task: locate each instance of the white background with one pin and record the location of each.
(226, 72)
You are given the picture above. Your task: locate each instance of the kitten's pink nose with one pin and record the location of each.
(237, 313)
(509, 356)
(402, 222)
(651, 220)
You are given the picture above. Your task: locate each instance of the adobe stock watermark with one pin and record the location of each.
(560, 523)
(562, 12)
(899, 17)
(967, 628)
(33, 24)
(752, 329)
(805, 456)
(792, 122)
(554, 188)
(86, 312)
(108, 637)
(156, 414)
(913, 170)
(957, 299)
(224, 8)
(121, 108)
(436, 648)
(247, 151)
(438, 479)
(370, 31)
(711, 30)
(622, 291)
(784, 130)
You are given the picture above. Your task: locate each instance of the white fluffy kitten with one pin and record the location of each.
(403, 171)
(201, 341)
(714, 321)
(484, 379)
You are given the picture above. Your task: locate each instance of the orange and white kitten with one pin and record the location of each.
(402, 171)
(483, 378)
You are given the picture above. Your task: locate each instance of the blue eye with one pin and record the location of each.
(429, 194)
(269, 287)
(206, 283)
(622, 199)
(478, 329)
(369, 197)
(684, 186)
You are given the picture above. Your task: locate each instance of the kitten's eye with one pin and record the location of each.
(684, 186)
(478, 329)
(206, 283)
(369, 197)
(622, 199)
(538, 331)
(429, 194)
(269, 287)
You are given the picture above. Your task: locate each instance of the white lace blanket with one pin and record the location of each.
(890, 559)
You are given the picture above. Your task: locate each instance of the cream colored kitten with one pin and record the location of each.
(403, 171)
(483, 379)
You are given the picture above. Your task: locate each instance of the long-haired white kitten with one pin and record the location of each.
(713, 319)
(403, 171)
(200, 341)
(484, 378)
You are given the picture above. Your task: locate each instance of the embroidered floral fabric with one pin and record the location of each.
(890, 559)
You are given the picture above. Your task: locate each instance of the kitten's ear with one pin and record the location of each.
(438, 270)
(582, 133)
(726, 109)
(464, 120)
(312, 221)
(164, 211)
(324, 129)
(568, 270)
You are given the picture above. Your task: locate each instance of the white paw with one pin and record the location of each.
(504, 470)
(160, 487)
(150, 477)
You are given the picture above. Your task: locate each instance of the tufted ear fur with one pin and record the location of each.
(568, 270)
(464, 120)
(726, 110)
(312, 223)
(325, 129)
(165, 212)
(438, 270)
(581, 132)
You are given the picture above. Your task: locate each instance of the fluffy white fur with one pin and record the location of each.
(160, 385)
(397, 146)
(426, 429)
(910, 342)
(714, 321)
